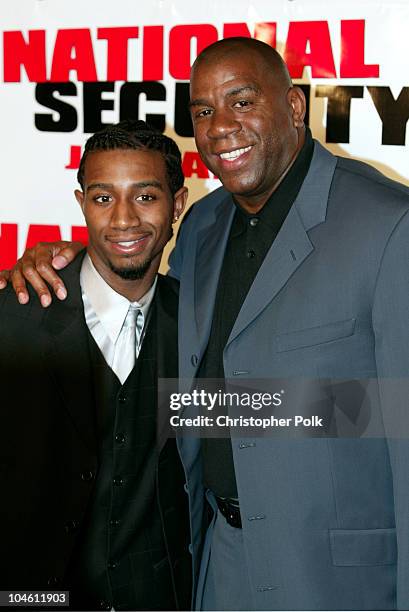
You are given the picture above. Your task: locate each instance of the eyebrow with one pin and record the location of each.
(198, 102)
(230, 94)
(138, 185)
(244, 89)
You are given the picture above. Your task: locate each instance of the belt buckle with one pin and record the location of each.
(230, 512)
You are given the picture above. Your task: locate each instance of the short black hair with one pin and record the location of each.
(137, 135)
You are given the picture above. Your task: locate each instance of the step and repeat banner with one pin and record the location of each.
(69, 68)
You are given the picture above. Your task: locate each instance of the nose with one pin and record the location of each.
(125, 214)
(223, 123)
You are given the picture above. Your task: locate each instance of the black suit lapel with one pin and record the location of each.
(166, 301)
(66, 354)
(166, 312)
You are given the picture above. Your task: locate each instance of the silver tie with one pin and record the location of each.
(127, 344)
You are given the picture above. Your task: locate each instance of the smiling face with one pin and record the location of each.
(129, 210)
(247, 118)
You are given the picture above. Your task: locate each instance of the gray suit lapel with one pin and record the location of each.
(292, 245)
(212, 242)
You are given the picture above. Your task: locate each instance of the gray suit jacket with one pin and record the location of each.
(331, 300)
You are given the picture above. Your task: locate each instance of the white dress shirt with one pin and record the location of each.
(105, 313)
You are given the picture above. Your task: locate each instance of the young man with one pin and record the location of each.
(297, 269)
(92, 494)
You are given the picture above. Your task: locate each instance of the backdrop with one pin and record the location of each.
(69, 68)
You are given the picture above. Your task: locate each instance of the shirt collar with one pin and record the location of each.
(109, 306)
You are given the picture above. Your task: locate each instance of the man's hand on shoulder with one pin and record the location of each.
(37, 266)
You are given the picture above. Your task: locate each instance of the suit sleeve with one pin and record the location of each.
(390, 318)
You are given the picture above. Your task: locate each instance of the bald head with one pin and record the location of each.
(247, 117)
(232, 48)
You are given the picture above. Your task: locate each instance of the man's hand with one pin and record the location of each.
(38, 265)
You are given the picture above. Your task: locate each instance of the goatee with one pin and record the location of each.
(132, 272)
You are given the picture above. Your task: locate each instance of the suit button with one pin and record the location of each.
(87, 476)
(71, 526)
(120, 438)
(112, 565)
(118, 481)
(253, 221)
(104, 605)
(195, 360)
(114, 522)
(122, 399)
(191, 549)
(186, 488)
(250, 254)
(53, 581)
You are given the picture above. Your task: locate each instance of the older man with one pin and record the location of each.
(296, 268)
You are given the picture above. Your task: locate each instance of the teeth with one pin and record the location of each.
(234, 154)
(128, 244)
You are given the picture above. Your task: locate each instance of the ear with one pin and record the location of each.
(179, 202)
(79, 196)
(296, 99)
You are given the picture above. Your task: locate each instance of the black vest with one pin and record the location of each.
(121, 560)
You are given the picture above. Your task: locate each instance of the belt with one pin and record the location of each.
(230, 511)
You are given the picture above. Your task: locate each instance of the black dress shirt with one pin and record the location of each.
(250, 238)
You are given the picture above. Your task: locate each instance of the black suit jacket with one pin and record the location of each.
(48, 445)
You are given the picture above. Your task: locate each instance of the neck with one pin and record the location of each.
(132, 290)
